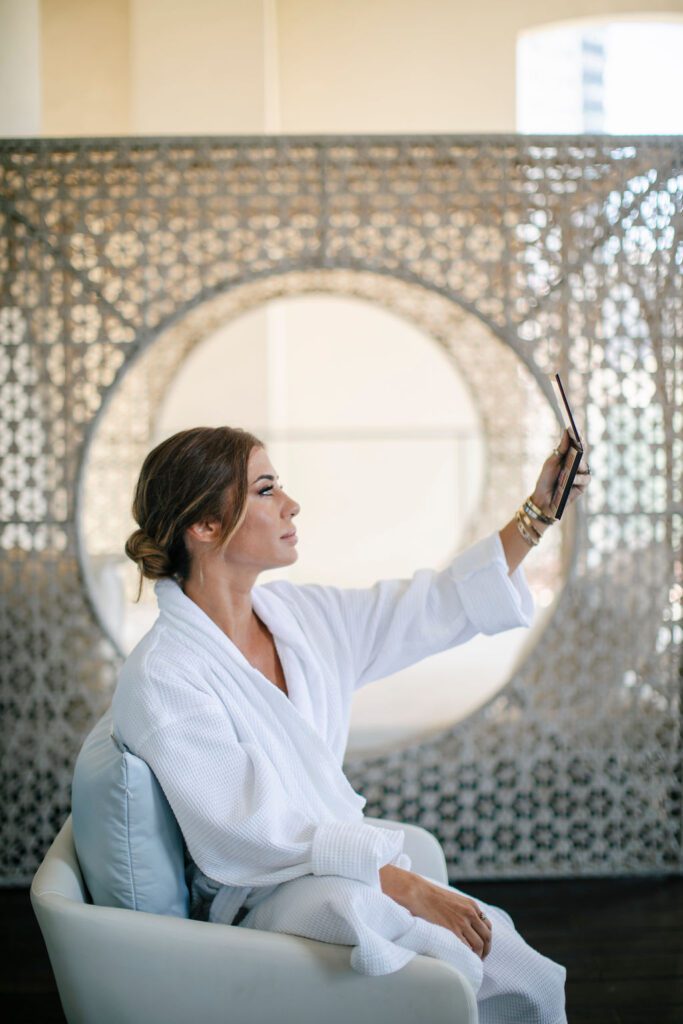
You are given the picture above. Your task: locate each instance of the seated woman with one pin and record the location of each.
(239, 700)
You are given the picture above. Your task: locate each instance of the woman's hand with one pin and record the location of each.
(423, 898)
(458, 913)
(548, 488)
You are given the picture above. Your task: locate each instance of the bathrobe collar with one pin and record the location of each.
(222, 660)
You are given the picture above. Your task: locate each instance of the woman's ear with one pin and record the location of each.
(203, 531)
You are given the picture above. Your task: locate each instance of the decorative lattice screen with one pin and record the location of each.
(566, 251)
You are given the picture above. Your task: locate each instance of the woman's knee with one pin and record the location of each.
(545, 991)
(520, 984)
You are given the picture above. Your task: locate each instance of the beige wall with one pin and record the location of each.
(199, 67)
(251, 66)
(85, 67)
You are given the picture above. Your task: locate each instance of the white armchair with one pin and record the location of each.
(120, 966)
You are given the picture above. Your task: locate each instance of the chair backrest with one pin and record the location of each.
(129, 846)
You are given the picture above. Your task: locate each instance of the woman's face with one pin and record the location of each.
(260, 541)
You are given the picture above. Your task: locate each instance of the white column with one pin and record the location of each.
(19, 68)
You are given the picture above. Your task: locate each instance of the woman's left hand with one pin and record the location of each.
(549, 484)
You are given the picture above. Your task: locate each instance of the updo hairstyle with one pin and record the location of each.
(185, 479)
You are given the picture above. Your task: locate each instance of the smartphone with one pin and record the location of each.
(574, 453)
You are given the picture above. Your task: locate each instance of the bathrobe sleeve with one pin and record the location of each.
(397, 622)
(240, 826)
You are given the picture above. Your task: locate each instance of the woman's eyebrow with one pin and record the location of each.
(264, 476)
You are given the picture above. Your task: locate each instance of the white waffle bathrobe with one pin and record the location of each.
(254, 777)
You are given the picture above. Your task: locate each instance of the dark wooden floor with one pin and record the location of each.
(621, 941)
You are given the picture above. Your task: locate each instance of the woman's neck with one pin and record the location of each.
(228, 605)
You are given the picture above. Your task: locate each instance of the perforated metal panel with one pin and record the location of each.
(520, 255)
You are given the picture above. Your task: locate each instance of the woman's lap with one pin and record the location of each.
(519, 985)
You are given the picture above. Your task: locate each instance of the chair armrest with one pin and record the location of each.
(116, 965)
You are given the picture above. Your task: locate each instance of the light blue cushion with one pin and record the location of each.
(127, 840)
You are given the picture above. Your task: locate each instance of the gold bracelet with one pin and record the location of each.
(532, 508)
(529, 524)
(524, 532)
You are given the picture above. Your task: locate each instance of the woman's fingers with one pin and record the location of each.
(473, 940)
(481, 926)
(576, 492)
(484, 930)
(581, 480)
(459, 913)
(561, 450)
(480, 922)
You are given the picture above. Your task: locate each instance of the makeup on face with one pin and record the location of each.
(290, 537)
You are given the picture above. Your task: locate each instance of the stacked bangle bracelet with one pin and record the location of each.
(526, 516)
(530, 536)
(535, 512)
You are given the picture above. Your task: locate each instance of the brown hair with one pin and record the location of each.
(183, 480)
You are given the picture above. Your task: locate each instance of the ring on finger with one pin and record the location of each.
(557, 452)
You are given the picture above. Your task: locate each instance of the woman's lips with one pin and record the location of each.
(291, 537)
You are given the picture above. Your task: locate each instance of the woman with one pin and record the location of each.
(239, 700)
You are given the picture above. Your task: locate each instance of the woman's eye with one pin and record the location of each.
(265, 490)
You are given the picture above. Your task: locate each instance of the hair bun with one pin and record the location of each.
(152, 561)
